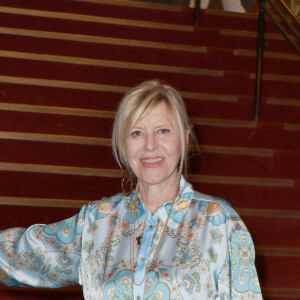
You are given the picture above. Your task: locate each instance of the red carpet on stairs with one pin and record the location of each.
(64, 66)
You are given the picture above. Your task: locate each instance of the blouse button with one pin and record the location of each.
(138, 297)
(150, 226)
(142, 259)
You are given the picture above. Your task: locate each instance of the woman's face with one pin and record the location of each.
(153, 147)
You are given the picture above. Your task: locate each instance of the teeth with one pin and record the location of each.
(152, 160)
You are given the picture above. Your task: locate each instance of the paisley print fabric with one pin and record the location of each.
(120, 287)
(206, 251)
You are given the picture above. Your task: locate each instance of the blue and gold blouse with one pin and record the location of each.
(205, 252)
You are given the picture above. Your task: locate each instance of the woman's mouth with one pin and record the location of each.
(151, 162)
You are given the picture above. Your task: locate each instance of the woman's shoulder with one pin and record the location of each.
(101, 209)
(212, 205)
(106, 201)
(207, 198)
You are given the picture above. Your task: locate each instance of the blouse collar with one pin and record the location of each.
(180, 207)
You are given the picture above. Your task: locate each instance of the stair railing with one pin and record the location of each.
(263, 8)
(197, 12)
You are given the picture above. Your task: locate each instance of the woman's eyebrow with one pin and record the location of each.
(136, 127)
(165, 124)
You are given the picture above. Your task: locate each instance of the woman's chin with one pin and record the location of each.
(157, 179)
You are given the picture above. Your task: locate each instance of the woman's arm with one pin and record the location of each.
(238, 277)
(42, 255)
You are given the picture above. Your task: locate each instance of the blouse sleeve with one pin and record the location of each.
(42, 255)
(238, 277)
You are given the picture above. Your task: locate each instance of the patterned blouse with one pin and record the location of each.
(206, 251)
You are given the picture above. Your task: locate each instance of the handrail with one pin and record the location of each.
(284, 32)
(259, 58)
(287, 9)
(286, 21)
(260, 41)
(197, 12)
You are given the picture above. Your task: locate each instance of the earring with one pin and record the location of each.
(126, 183)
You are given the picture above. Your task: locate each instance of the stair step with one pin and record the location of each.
(82, 61)
(278, 166)
(99, 39)
(19, 184)
(130, 10)
(115, 173)
(166, 54)
(31, 56)
(107, 75)
(34, 215)
(149, 11)
(199, 104)
(228, 82)
(272, 41)
(98, 124)
(91, 18)
(14, 293)
(54, 110)
(89, 153)
(278, 77)
(56, 124)
(269, 54)
(281, 294)
(270, 266)
(273, 251)
(131, 29)
(274, 62)
(280, 109)
(272, 197)
(57, 154)
(262, 230)
(231, 20)
(279, 87)
(66, 203)
(257, 135)
(42, 92)
(287, 102)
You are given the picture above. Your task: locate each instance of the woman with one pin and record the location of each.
(162, 240)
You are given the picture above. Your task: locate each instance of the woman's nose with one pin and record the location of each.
(150, 143)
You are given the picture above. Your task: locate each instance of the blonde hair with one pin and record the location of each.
(136, 104)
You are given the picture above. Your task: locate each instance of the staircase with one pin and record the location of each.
(64, 66)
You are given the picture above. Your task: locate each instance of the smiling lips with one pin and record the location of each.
(151, 162)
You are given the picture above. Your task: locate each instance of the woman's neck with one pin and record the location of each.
(155, 195)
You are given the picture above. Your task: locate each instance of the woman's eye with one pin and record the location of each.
(163, 130)
(136, 133)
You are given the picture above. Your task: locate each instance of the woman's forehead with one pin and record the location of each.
(158, 114)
